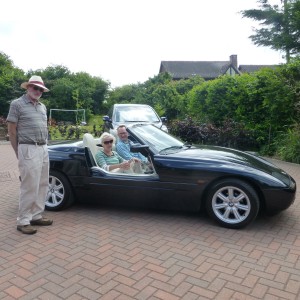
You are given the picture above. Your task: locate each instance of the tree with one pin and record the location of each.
(68, 90)
(10, 80)
(166, 96)
(213, 101)
(291, 74)
(281, 26)
(123, 94)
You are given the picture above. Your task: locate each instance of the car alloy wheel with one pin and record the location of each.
(232, 203)
(56, 192)
(59, 194)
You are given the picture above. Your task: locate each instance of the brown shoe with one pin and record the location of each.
(41, 222)
(26, 229)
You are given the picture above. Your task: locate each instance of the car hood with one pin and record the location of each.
(227, 158)
(220, 154)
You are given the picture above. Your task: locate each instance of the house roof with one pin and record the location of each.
(207, 69)
(185, 69)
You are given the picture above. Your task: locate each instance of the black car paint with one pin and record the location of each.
(184, 177)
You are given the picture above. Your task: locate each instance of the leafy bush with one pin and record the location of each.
(263, 101)
(61, 130)
(229, 134)
(288, 145)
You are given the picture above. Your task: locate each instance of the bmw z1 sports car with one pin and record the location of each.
(233, 186)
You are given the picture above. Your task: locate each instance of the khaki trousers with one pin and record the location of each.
(34, 172)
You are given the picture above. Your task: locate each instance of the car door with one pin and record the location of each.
(137, 190)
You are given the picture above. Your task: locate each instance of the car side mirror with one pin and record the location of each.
(106, 119)
(108, 122)
(164, 119)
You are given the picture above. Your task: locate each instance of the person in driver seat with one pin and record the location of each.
(123, 149)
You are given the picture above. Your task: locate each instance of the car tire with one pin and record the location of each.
(59, 195)
(232, 203)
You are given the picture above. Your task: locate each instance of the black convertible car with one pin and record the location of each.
(233, 186)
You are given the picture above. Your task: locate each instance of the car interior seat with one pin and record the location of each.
(90, 142)
(93, 144)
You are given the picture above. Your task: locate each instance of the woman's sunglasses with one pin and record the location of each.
(108, 142)
(36, 88)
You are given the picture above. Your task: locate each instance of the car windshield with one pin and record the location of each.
(135, 114)
(157, 139)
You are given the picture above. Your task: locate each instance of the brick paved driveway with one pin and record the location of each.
(106, 253)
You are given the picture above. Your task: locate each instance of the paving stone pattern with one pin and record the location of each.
(93, 252)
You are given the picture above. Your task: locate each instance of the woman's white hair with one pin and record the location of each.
(106, 135)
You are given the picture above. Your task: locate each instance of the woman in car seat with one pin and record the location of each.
(108, 159)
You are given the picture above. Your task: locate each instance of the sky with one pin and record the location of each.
(124, 41)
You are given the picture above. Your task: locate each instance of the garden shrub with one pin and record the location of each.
(229, 134)
(288, 145)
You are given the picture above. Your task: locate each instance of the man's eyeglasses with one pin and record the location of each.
(36, 88)
(108, 142)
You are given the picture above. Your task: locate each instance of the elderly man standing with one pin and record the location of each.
(28, 132)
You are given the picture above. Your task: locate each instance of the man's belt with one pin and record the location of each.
(33, 143)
